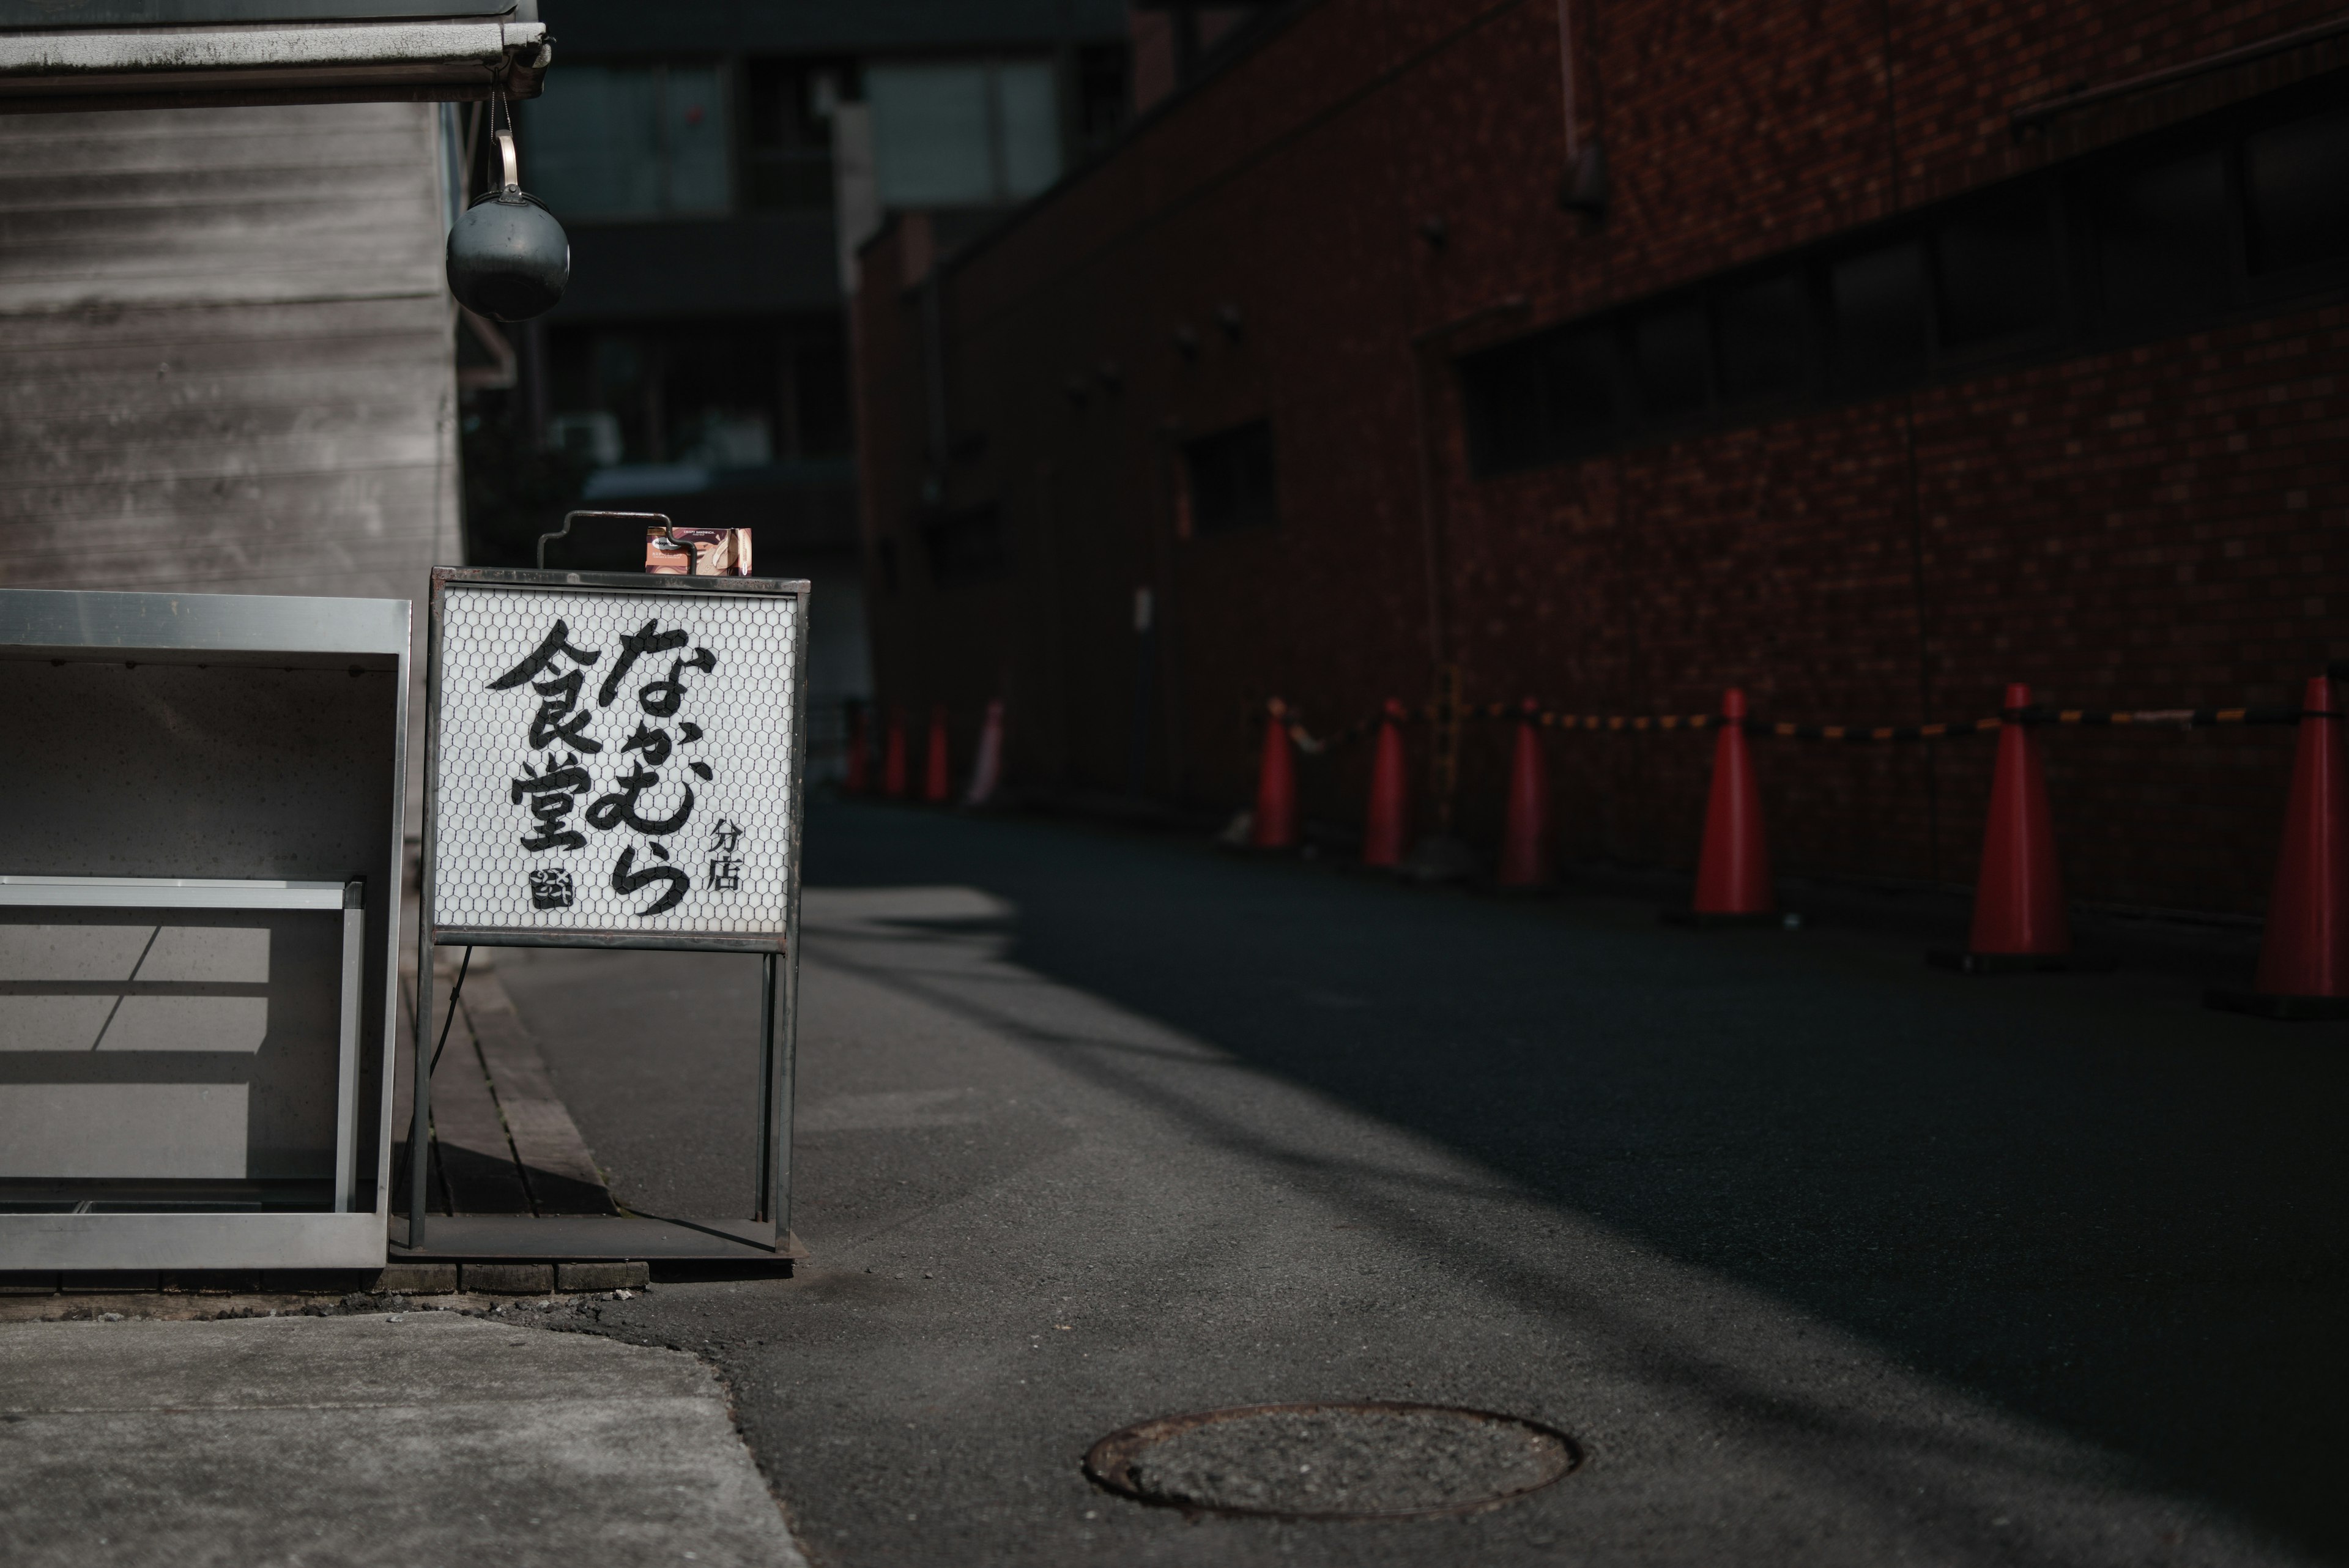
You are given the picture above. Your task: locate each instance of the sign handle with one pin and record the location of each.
(571, 517)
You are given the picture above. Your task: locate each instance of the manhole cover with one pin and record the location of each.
(1332, 1462)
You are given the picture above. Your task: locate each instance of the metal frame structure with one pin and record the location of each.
(230, 632)
(766, 1236)
(346, 898)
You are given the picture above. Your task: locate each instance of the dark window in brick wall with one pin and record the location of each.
(1765, 337)
(2163, 243)
(2194, 224)
(1996, 260)
(2296, 184)
(967, 545)
(1231, 479)
(1881, 310)
(1578, 384)
(1672, 361)
(1545, 396)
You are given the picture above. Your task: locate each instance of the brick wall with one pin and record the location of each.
(2158, 526)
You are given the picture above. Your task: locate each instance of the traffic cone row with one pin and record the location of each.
(1275, 826)
(1386, 825)
(936, 786)
(2019, 922)
(2304, 955)
(1526, 861)
(986, 765)
(1732, 865)
(937, 758)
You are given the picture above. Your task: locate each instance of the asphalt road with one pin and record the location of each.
(1826, 1257)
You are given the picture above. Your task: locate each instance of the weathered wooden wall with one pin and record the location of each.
(226, 362)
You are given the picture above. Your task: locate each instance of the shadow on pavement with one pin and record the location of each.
(2085, 1200)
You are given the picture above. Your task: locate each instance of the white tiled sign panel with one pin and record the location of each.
(629, 772)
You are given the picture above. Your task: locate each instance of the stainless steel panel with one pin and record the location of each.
(256, 744)
(346, 1051)
(581, 1236)
(187, 1044)
(167, 893)
(36, 1241)
(72, 622)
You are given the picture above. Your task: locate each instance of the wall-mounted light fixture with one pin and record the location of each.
(1186, 341)
(1584, 189)
(1111, 376)
(1227, 317)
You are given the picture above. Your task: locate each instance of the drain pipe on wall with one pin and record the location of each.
(1584, 188)
(1424, 346)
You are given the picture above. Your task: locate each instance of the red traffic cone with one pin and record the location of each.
(936, 787)
(1526, 859)
(1275, 785)
(2304, 957)
(1733, 868)
(892, 757)
(1388, 819)
(858, 780)
(986, 763)
(2019, 922)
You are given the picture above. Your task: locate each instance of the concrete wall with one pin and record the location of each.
(2156, 524)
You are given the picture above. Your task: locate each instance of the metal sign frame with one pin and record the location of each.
(767, 1234)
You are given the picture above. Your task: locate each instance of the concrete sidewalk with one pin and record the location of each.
(414, 1439)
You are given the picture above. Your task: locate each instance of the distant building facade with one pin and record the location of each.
(715, 165)
(1875, 359)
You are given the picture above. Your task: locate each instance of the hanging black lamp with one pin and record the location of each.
(508, 257)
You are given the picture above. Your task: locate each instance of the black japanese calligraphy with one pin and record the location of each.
(620, 806)
(627, 879)
(552, 793)
(550, 888)
(671, 688)
(560, 717)
(647, 639)
(725, 864)
(556, 645)
(645, 802)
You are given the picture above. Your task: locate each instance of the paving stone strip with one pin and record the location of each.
(408, 1438)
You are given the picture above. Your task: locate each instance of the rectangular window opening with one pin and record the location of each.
(1995, 258)
(1672, 362)
(788, 117)
(967, 545)
(2188, 226)
(964, 133)
(1765, 337)
(1231, 479)
(2164, 243)
(630, 141)
(2296, 186)
(1882, 314)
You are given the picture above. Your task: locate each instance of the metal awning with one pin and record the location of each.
(67, 54)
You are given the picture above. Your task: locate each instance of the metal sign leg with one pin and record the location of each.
(420, 1126)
